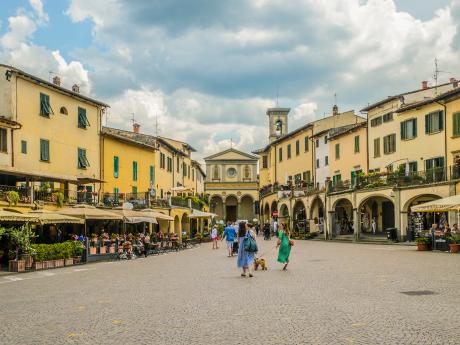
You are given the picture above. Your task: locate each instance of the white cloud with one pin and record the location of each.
(37, 6)
(21, 29)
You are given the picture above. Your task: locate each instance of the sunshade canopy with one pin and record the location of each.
(7, 216)
(89, 212)
(201, 214)
(48, 217)
(157, 215)
(131, 216)
(451, 203)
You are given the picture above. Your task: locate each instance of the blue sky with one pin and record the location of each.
(206, 70)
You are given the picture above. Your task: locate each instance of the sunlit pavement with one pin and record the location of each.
(332, 293)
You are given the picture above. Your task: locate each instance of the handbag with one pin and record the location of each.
(250, 245)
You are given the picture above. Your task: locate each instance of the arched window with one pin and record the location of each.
(215, 172)
(63, 111)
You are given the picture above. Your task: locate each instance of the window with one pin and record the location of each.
(44, 150)
(134, 171)
(297, 148)
(389, 144)
(376, 122)
(336, 179)
(23, 146)
(317, 142)
(280, 154)
(297, 178)
(456, 125)
(134, 189)
(337, 151)
(289, 151)
(325, 139)
(169, 162)
(377, 147)
(45, 107)
(184, 169)
(63, 111)
(326, 160)
(264, 162)
(409, 129)
(306, 176)
(306, 143)
(387, 117)
(317, 162)
(162, 160)
(413, 167)
(116, 191)
(178, 165)
(116, 166)
(152, 175)
(434, 122)
(82, 160)
(3, 140)
(357, 144)
(82, 119)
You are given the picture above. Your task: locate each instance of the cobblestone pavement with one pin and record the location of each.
(333, 293)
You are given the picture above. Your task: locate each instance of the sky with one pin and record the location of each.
(205, 71)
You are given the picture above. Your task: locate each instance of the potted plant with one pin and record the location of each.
(21, 241)
(104, 240)
(68, 253)
(59, 252)
(93, 247)
(422, 243)
(12, 197)
(38, 256)
(454, 244)
(78, 248)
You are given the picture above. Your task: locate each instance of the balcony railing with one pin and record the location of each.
(24, 194)
(178, 201)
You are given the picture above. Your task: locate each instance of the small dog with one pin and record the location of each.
(260, 262)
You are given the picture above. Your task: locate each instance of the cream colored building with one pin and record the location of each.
(231, 182)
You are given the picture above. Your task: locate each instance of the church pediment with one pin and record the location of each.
(231, 154)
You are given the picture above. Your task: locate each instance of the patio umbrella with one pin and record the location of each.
(201, 214)
(451, 203)
(48, 217)
(131, 216)
(89, 212)
(157, 215)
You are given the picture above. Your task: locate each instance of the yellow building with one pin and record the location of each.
(49, 137)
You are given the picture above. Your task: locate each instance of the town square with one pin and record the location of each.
(206, 172)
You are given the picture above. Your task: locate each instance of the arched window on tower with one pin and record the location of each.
(278, 127)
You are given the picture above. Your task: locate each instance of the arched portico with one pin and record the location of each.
(283, 215)
(246, 208)
(217, 206)
(185, 224)
(416, 222)
(317, 215)
(376, 215)
(267, 216)
(299, 217)
(343, 217)
(177, 226)
(231, 208)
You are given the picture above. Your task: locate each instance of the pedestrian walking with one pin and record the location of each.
(214, 237)
(229, 235)
(373, 225)
(275, 228)
(245, 257)
(284, 244)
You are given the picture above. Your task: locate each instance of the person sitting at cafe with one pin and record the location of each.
(447, 230)
(454, 229)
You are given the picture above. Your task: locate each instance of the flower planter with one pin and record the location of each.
(92, 250)
(48, 264)
(422, 247)
(16, 265)
(76, 260)
(38, 265)
(28, 260)
(112, 249)
(454, 247)
(68, 262)
(102, 250)
(59, 263)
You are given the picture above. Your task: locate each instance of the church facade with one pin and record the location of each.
(232, 185)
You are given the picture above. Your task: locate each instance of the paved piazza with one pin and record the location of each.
(334, 293)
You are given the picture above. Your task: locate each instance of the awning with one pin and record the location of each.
(48, 217)
(88, 179)
(157, 215)
(7, 216)
(451, 203)
(130, 216)
(201, 214)
(38, 175)
(89, 212)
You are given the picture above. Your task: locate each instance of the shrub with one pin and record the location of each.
(455, 239)
(13, 197)
(59, 199)
(422, 240)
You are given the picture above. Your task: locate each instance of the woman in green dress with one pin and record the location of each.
(284, 246)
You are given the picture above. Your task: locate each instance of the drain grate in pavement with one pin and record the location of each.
(418, 293)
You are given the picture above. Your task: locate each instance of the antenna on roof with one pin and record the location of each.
(132, 119)
(436, 74)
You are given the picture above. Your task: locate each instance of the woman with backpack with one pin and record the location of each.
(284, 244)
(246, 249)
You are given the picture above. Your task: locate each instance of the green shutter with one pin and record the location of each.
(116, 166)
(441, 120)
(393, 142)
(414, 125)
(82, 118)
(44, 150)
(152, 174)
(45, 107)
(337, 151)
(403, 130)
(427, 124)
(353, 178)
(385, 145)
(357, 144)
(456, 124)
(134, 171)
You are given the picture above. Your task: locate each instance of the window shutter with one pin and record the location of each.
(427, 123)
(385, 145)
(441, 120)
(414, 126)
(403, 130)
(115, 166)
(152, 174)
(393, 143)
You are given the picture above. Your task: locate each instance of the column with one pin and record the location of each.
(238, 210)
(398, 209)
(355, 224)
(329, 231)
(224, 211)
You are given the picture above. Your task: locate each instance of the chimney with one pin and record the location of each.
(454, 82)
(335, 110)
(76, 88)
(424, 85)
(136, 127)
(57, 81)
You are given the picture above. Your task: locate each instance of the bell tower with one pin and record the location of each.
(277, 122)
